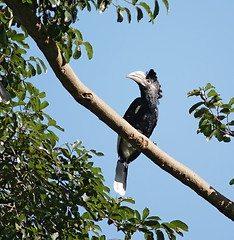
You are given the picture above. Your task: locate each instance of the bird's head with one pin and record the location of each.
(149, 85)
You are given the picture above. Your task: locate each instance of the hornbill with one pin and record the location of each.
(142, 114)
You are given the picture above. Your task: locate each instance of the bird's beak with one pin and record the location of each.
(138, 77)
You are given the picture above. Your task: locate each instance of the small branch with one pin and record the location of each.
(229, 128)
(5, 55)
(89, 100)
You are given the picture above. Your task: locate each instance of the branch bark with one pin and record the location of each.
(89, 100)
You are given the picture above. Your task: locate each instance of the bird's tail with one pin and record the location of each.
(121, 177)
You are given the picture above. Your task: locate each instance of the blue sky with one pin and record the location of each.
(188, 48)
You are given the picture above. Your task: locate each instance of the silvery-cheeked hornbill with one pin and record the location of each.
(142, 114)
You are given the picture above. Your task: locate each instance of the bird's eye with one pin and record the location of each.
(148, 80)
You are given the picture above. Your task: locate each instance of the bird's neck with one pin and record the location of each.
(150, 99)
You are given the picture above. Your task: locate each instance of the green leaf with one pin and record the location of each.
(225, 110)
(138, 216)
(134, 2)
(24, 44)
(194, 92)
(215, 100)
(219, 135)
(231, 182)
(119, 14)
(152, 223)
(154, 218)
(43, 65)
(207, 130)
(32, 58)
(156, 9)
(226, 138)
(212, 93)
(89, 49)
(103, 237)
(51, 122)
(169, 231)
(103, 5)
(226, 106)
(128, 14)
(59, 128)
(145, 213)
(195, 106)
(39, 71)
(42, 95)
(208, 138)
(159, 234)
(19, 50)
(18, 37)
(199, 113)
(3, 36)
(67, 17)
(147, 8)
(221, 117)
(180, 225)
(231, 101)
(77, 52)
(78, 34)
(208, 86)
(166, 4)
(203, 122)
(128, 199)
(44, 104)
(231, 123)
(139, 14)
(35, 103)
(100, 154)
(88, 5)
(31, 70)
(149, 236)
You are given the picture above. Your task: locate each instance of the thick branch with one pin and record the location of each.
(90, 101)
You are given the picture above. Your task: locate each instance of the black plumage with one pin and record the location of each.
(142, 114)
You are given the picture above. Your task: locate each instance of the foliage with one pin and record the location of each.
(56, 192)
(231, 182)
(46, 191)
(58, 16)
(213, 114)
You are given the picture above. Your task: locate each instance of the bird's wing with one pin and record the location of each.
(141, 117)
(132, 112)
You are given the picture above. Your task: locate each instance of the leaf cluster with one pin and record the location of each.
(46, 191)
(150, 226)
(214, 115)
(14, 66)
(140, 7)
(63, 13)
(57, 16)
(56, 192)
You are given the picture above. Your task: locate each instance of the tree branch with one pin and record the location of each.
(89, 100)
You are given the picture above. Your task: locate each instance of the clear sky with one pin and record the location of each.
(188, 48)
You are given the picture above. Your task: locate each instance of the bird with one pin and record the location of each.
(142, 114)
